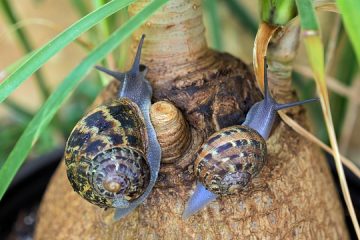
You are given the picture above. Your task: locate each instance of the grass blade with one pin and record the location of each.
(349, 10)
(306, 134)
(315, 52)
(52, 105)
(55, 45)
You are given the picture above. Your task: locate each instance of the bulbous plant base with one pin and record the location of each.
(293, 198)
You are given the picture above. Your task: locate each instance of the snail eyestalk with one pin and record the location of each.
(289, 105)
(136, 65)
(117, 75)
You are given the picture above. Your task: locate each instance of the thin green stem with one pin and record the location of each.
(24, 114)
(81, 8)
(215, 26)
(103, 30)
(242, 15)
(26, 45)
(123, 51)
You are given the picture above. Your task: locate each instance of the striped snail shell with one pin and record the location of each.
(231, 157)
(112, 155)
(105, 155)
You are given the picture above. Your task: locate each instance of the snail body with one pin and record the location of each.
(231, 157)
(112, 155)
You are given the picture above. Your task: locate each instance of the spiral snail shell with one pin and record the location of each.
(231, 157)
(112, 155)
(172, 131)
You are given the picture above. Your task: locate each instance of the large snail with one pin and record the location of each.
(231, 157)
(112, 154)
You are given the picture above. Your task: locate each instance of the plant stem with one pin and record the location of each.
(23, 39)
(19, 110)
(242, 15)
(277, 12)
(211, 7)
(123, 51)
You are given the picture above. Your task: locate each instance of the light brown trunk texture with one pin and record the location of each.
(294, 196)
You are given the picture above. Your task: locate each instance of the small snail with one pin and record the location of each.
(231, 157)
(112, 155)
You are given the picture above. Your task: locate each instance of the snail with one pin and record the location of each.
(231, 157)
(112, 155)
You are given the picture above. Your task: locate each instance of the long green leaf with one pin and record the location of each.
(315, 52)
(55, 45)
(349, 10)
(52, 105)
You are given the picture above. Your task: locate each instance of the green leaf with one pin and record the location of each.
(346, 69)
(307, 15)
(349, 10)
(315, 52)
(277, 12)
(55, 45)
(58, 97)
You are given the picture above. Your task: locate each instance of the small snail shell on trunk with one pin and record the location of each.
(173, 132)
(112, 155)
(231, 157)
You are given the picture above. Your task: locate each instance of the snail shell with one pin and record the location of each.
(172, 131)
(105, 155)
(229, 159)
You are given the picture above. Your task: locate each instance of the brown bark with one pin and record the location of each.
(293, 197)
